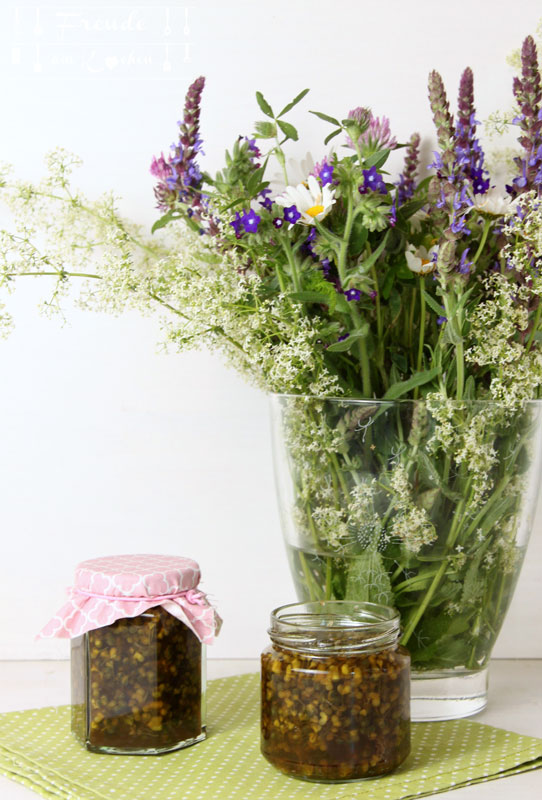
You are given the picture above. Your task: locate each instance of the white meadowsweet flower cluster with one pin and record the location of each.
(413, 528)
(497, 326)
(61, 235)
(411, 524)
(331, 525)
(523, 231)
(495, 323)
(442, 410)
(475, 450)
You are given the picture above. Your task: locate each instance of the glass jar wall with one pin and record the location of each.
(138, 685)
(335, 691)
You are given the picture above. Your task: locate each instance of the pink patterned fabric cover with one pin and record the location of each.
(96, 599)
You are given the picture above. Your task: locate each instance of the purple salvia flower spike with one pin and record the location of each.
(180, 176)
(528, 93)
(407, 180)
(442, 118)
(469, 154)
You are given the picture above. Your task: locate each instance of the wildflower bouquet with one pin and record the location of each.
(398, 321)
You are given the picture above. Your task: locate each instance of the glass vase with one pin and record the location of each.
(424, 505)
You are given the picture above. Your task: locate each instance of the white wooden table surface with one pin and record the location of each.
(515, 703)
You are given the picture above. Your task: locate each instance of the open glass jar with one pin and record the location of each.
(335, 691)
(138, 628)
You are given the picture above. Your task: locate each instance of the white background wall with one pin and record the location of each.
(107, 446)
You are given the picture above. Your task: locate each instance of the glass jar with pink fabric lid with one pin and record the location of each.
(138, 626)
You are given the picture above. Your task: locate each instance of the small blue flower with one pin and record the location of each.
(480, 185)
(353, 294)
(250, 221)
(291, 214)
(266, 202)
(237, 224)
(278, 222)
(326, 174)
(343, 337)
(373, 182)
(441, 320)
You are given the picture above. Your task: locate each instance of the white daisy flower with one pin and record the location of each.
(313, 201)
(420, 260)
(495, 204)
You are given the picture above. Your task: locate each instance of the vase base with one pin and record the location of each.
(441, 695)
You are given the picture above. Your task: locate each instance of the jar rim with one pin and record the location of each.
(334, 626)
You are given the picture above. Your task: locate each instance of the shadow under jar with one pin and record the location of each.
(335, 691)
(137, 685)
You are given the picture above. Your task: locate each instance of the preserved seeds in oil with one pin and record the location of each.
(333, 718)
(137, 685)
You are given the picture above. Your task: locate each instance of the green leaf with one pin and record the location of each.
(399, 359)
(469, 392)
(254, 181)
(264, 105)
(346, 344)
(366, 265)
(432, 303)
(395, 309)
(310, 297)
(473, 587)
(165, 220)
(430, 475)
(377, 159)
(418, 379)
(342, 304)
(368, 580)
(294, 102)
(409, 209)
(265, 130)
(233, 203)
(423, 185)
(388, 284)
(332, 136)
(358, 237)
(288, 130)
(326, 118)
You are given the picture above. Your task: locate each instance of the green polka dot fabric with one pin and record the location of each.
(38, 750)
